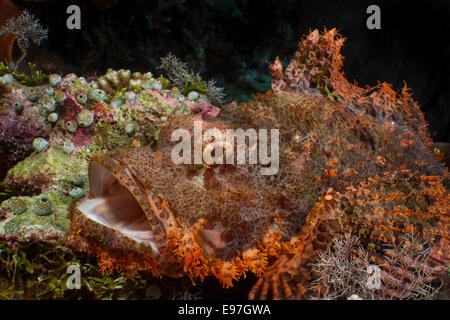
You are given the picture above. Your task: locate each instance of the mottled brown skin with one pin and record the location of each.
(341, 157)
(190, 216)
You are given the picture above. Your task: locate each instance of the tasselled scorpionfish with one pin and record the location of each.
(351, 161)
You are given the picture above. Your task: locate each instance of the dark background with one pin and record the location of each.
(233, 41)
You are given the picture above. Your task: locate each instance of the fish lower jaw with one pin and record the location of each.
(122, 235)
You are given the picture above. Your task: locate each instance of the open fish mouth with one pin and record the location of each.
(112, 214)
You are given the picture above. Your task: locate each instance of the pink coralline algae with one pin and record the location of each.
(71, 106)
(208, 110)
(173, 103)
(71, 109)
(19, 128)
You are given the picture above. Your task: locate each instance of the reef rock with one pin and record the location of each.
(49, 133)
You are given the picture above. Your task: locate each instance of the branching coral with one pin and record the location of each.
(27, 29)
(186, 81)
(343, 270)
(408, 272)
(215, 94)
(9, 10)
(175, 69)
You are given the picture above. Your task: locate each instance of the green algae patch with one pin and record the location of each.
(34, 222)
(40, 271)
(59, 167)
(111, 136)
